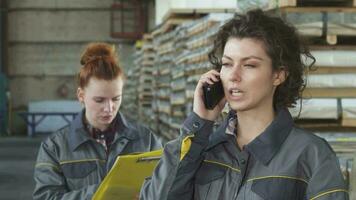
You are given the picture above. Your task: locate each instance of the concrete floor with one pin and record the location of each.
(17, 159)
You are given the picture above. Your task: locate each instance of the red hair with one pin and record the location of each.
(99, 60)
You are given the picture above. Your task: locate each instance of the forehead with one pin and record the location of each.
(104, 88)
(245, 47)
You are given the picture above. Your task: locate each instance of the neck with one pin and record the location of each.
(102, 129)
(251, 124)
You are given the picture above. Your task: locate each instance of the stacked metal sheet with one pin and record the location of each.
(164, 62)
(334, 78)
(129, 105)
(178, 83)
(195, 60)
(162, 82)
(146, 83)
(192, 43)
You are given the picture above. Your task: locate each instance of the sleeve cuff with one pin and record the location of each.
(201, 128)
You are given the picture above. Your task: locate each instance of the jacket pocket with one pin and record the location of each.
(279, 188)
(78, 169)
(209, 181)
(209, 172)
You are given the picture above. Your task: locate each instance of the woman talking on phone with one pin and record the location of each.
(257, 153)
(72, 162)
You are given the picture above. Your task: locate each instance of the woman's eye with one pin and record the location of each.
(99, 100)
(226, 64)
(250, 66)
(116, 99)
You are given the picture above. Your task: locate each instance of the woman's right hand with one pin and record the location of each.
(198, 104)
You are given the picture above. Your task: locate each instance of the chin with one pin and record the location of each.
(238, 107)
(107, 122)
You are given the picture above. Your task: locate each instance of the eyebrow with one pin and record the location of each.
(105, 97)
(245, 58)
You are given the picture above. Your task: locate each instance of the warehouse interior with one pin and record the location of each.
(163, 46)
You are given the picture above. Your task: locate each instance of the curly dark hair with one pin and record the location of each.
(283, 44)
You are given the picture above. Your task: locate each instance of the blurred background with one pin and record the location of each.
(163, 47)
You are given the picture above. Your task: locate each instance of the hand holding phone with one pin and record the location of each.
(212, 94)
(208, 96)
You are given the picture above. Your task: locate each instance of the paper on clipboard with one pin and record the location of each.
(127, 175)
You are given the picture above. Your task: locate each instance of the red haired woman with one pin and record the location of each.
(74, 160)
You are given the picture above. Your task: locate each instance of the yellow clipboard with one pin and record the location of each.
(127, 175)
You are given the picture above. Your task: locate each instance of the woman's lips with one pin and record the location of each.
(235, 94)
(107, 117)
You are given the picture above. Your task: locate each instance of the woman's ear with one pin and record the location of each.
(280, 75)
(80, 95)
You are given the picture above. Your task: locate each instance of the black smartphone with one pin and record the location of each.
(212, 94)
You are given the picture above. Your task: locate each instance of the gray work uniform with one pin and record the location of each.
(71, 164)
(283, 163)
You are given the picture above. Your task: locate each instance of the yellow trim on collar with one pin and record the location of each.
(186, 143)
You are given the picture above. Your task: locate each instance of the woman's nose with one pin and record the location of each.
(236, 72)
(108, 106)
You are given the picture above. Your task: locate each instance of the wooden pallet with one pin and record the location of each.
(178, 102)
(343, 123)
(348, 118)
(329, 93)
(163, 85)
(148, 63)
(145, 79)
(272, 4)
(197, 59)
(169, 25)
(165, 48)
(145, 96)
(145, 103)
(165, 71)
(149, 55)
(205, 42)
(193, 13)
(197, 71)
(167, 98)
(148, 47)
(178, 114)
(147, 37)
(317, 125)
(333, 70)
(147, 89)
(333, 47)
(323, 31)
(349, 122)
(201, 27)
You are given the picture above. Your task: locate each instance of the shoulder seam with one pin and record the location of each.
(328, 192)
